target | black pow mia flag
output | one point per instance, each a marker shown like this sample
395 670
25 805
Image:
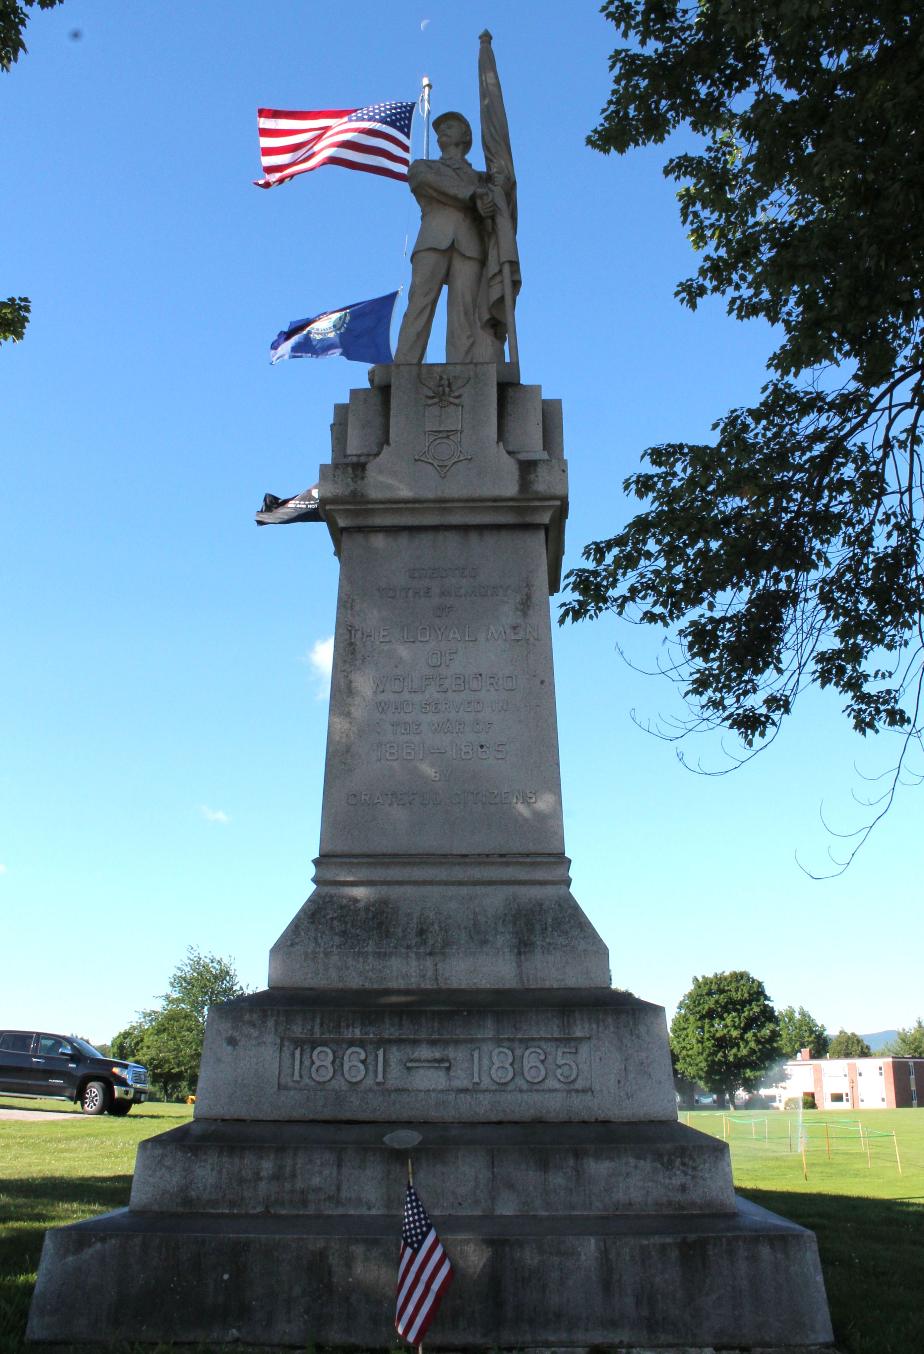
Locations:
301 507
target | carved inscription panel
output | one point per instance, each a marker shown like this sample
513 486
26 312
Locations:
443 729
537 1063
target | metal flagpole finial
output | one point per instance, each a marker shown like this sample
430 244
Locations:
424 103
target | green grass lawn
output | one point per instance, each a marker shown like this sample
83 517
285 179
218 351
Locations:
869 1218
56 1172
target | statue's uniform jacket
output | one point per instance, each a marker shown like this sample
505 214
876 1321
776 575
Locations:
448 215
450 248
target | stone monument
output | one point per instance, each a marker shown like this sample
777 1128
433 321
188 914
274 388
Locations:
440 978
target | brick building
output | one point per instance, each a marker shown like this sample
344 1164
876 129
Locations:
883 1082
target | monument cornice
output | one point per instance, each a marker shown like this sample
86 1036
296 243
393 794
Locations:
344 509
533 869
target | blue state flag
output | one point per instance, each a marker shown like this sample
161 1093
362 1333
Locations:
359 332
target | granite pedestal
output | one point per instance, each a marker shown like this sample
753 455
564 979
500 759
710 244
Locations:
440 977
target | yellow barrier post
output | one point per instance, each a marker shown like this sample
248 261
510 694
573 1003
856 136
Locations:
898 1160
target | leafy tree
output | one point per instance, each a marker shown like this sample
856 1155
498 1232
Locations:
800 1030
171 1050
201 981
13 20
685 1088
14 316
847 1044
910 1042
168 1040
725 1033
14 311
789 553
127 1043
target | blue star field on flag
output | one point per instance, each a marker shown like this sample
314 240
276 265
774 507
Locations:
375 139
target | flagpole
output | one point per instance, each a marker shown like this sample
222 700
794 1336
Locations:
425 88
410 1181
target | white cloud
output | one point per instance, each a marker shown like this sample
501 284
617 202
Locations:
3 869
320 658
214 815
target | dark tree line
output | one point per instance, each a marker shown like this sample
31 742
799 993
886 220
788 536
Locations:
726 1036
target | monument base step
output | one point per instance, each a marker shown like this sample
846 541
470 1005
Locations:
749 1280
556 1169
489 1055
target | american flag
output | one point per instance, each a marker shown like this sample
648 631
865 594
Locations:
376 138
424 1272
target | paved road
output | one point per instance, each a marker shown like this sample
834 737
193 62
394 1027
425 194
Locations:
38 1115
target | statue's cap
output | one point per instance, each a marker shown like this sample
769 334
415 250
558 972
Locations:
460 119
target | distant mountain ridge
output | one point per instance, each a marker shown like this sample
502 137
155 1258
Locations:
879 1040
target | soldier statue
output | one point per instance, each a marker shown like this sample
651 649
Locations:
467 238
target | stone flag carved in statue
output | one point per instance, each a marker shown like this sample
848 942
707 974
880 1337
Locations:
502 266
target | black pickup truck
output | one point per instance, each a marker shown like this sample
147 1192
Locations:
58 1065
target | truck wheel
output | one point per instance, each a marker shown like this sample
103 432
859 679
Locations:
95 1097
120 1107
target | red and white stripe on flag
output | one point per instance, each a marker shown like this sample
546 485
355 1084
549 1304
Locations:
375 139
424 1272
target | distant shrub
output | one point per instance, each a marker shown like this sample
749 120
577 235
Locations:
806 1101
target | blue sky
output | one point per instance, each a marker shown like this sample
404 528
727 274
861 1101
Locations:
162 690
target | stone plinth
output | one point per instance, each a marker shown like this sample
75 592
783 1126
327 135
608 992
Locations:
333 1168
749 1280
442 978
587 1055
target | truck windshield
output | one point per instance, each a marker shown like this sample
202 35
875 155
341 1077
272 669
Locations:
86 1049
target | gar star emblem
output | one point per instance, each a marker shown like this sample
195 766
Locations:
443 423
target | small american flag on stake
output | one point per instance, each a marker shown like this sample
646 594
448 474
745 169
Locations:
376 139
424 1272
